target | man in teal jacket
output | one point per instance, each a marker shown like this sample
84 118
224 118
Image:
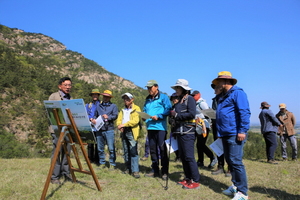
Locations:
158 106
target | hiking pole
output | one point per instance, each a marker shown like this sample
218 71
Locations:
167 180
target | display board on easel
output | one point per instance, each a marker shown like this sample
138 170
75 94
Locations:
79 115
69 119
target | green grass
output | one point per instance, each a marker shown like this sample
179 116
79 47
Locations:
25 179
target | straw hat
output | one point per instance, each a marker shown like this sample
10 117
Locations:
107 93
224 75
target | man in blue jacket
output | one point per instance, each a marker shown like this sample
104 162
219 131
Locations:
106 135
91 109
269 128
233 120
158 106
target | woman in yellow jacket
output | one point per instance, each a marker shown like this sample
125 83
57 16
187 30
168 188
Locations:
128 123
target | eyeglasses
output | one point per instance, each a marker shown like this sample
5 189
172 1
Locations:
126 99
66 85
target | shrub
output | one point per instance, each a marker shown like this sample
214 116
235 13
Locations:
11 148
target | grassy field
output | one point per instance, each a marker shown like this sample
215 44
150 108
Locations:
25 179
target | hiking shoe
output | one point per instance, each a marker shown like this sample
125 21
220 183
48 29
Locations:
126 171
68 177
228 174
136 175
164 177
112 168
294 159
218 171
284 159
101 166
213 162
144 158
55 181
152 175
232 190
183 182
200 164
191 185
272 162
240 196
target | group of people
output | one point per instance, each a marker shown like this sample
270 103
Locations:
231 125
283 125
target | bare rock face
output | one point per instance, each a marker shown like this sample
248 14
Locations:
97 79
41 45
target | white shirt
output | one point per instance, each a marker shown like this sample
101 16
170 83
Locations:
126 115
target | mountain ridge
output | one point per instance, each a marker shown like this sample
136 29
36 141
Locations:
31 65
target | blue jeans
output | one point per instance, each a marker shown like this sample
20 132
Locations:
233 153
271 144
131 156
293 142
106 137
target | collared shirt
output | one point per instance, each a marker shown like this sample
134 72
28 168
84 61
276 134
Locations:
64 96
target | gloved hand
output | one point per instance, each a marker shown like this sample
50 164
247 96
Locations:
173 113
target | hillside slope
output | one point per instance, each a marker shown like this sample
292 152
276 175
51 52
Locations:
31 64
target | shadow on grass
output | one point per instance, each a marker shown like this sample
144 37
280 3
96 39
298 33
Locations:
143 169
214 185
211 183
85 184
54 191
274 193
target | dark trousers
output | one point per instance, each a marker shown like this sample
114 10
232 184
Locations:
157 140
147 149
202 148
186 151
221 159
271 144
61 165
93 151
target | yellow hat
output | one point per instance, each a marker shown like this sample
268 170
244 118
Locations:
282 105
107 93
224 75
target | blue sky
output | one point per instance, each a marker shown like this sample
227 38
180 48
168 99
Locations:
258 41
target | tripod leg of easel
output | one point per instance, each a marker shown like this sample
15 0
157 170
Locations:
83 149
53 161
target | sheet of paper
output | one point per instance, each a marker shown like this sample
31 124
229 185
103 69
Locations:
217 147
99 123
174 144
144 115
211 113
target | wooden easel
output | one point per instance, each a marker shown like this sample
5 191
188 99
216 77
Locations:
64 132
